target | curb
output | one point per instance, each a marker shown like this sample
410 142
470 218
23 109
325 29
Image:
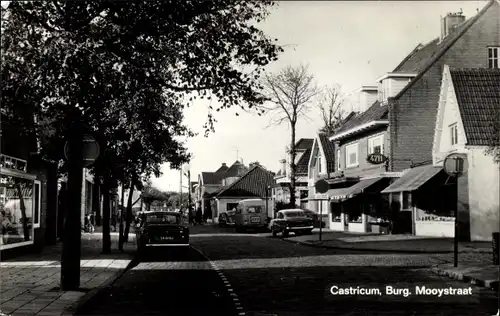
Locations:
309 244
73 308
490 284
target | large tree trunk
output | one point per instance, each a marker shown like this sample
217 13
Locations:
293 166
106 212
129 211
24 218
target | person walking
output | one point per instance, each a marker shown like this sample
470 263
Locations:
113 221
199 215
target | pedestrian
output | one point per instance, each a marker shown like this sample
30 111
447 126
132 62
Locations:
199 216
113 221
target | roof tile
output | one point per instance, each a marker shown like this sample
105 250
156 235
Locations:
478 96
253 183
374 113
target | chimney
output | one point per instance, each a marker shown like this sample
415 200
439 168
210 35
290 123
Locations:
367 96
224 164
253 164
450 22
283 167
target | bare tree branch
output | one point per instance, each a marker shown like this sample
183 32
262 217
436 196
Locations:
290 93
331 109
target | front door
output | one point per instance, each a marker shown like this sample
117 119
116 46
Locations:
346 218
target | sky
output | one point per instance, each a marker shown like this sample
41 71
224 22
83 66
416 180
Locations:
349 43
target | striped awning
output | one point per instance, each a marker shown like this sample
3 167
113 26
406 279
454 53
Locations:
413 179
317 197
350 192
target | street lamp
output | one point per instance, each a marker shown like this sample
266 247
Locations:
5 4
187 173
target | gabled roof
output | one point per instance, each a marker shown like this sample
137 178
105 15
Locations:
478 98
237 168
329 150
304 144
374 113
211 178
303 162
253 183
222 169
435 50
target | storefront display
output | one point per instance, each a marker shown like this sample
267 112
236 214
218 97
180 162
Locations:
19 209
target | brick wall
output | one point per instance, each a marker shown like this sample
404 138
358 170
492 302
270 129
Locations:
412 117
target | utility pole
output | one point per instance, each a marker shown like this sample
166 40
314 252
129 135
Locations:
189 188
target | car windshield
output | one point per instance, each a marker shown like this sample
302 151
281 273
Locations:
254 209
294 214
163 219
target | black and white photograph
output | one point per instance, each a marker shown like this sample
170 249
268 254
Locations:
250 158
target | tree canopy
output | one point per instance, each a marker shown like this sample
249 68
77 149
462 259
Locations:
126 70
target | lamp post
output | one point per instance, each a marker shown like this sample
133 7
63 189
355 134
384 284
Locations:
187 173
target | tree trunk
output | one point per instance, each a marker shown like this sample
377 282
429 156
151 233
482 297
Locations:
129 211
122 217
141 204
293 166
71 250
106 214
24 218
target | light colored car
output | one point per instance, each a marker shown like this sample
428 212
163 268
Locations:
291 220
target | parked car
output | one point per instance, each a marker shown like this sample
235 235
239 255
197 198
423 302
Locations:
161 229
226 220
315 217
291 220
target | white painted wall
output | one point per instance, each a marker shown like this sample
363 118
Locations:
435 228
484 194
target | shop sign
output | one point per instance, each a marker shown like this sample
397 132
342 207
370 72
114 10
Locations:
376 158
455 165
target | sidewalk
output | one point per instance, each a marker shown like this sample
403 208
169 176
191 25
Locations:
390 243
30 284
475 259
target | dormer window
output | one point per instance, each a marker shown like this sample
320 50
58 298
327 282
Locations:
391 84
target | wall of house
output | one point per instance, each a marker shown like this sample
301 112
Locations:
313 174
413 116
484 194
364 168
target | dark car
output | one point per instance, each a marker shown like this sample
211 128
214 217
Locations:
291 220
161 229
314 216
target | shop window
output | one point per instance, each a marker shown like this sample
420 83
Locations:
355 214
336 212
16 210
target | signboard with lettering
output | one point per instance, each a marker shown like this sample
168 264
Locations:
376 158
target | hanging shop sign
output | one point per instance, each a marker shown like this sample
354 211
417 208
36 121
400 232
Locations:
376 159
456 165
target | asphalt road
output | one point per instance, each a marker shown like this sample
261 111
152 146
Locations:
252 275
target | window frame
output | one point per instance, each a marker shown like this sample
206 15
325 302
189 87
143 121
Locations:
453 133
39 203
348 163
371 141
492 60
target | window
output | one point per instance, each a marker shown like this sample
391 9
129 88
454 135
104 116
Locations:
376 145
493 53
351 155
318 160
254 209
339 166
231 206
37 204
163 219
454 134
406 200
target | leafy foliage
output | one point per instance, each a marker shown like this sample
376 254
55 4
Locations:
125 71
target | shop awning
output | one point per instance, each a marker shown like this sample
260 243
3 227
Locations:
413 179
349 192
319 198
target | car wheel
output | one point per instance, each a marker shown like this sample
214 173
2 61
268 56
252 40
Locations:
285 233
275 233
308 232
